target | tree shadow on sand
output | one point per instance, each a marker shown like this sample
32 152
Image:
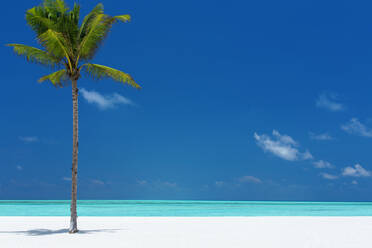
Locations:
41 232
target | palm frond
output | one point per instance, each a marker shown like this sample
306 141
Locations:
56 78
53 15
55 44
39 20
101 71
75 13
88 20
97 32
123 18
94 30
34 54
73 27
55 6
68 26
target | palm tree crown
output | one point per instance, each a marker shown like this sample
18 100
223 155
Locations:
68 44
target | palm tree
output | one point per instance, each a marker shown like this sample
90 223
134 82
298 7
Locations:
69 46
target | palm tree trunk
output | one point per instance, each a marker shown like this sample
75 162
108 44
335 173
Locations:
73 220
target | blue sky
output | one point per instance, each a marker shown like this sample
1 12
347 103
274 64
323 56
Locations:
241 100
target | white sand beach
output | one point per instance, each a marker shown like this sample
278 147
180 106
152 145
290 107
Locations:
179 232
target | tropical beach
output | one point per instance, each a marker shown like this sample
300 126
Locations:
186 124
187 224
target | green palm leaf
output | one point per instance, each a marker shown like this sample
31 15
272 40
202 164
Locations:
123 18
101 71
56 78
34 54
88 20
94 30
56 44
39 20
55 6
96 33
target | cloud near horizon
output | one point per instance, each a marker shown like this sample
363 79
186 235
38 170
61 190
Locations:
97 182
249 179
328 102
349 171
356 171
329 176
28 139
354 126
321 136
158 184
104 102
282 146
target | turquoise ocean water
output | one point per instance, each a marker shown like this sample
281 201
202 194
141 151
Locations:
184 208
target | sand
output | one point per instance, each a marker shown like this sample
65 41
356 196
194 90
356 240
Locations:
179 232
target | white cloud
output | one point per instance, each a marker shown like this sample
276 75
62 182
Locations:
141 182
328 101
321 136
220 183
97 182
169 184
19 168
355 182
66 178
249 179
355 127
282 146
104 101
307 155
356 171
328 176
158 185
321 164
28 139
284 138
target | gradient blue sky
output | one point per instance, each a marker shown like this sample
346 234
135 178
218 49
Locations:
241 100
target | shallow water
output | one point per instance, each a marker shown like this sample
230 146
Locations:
184 208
